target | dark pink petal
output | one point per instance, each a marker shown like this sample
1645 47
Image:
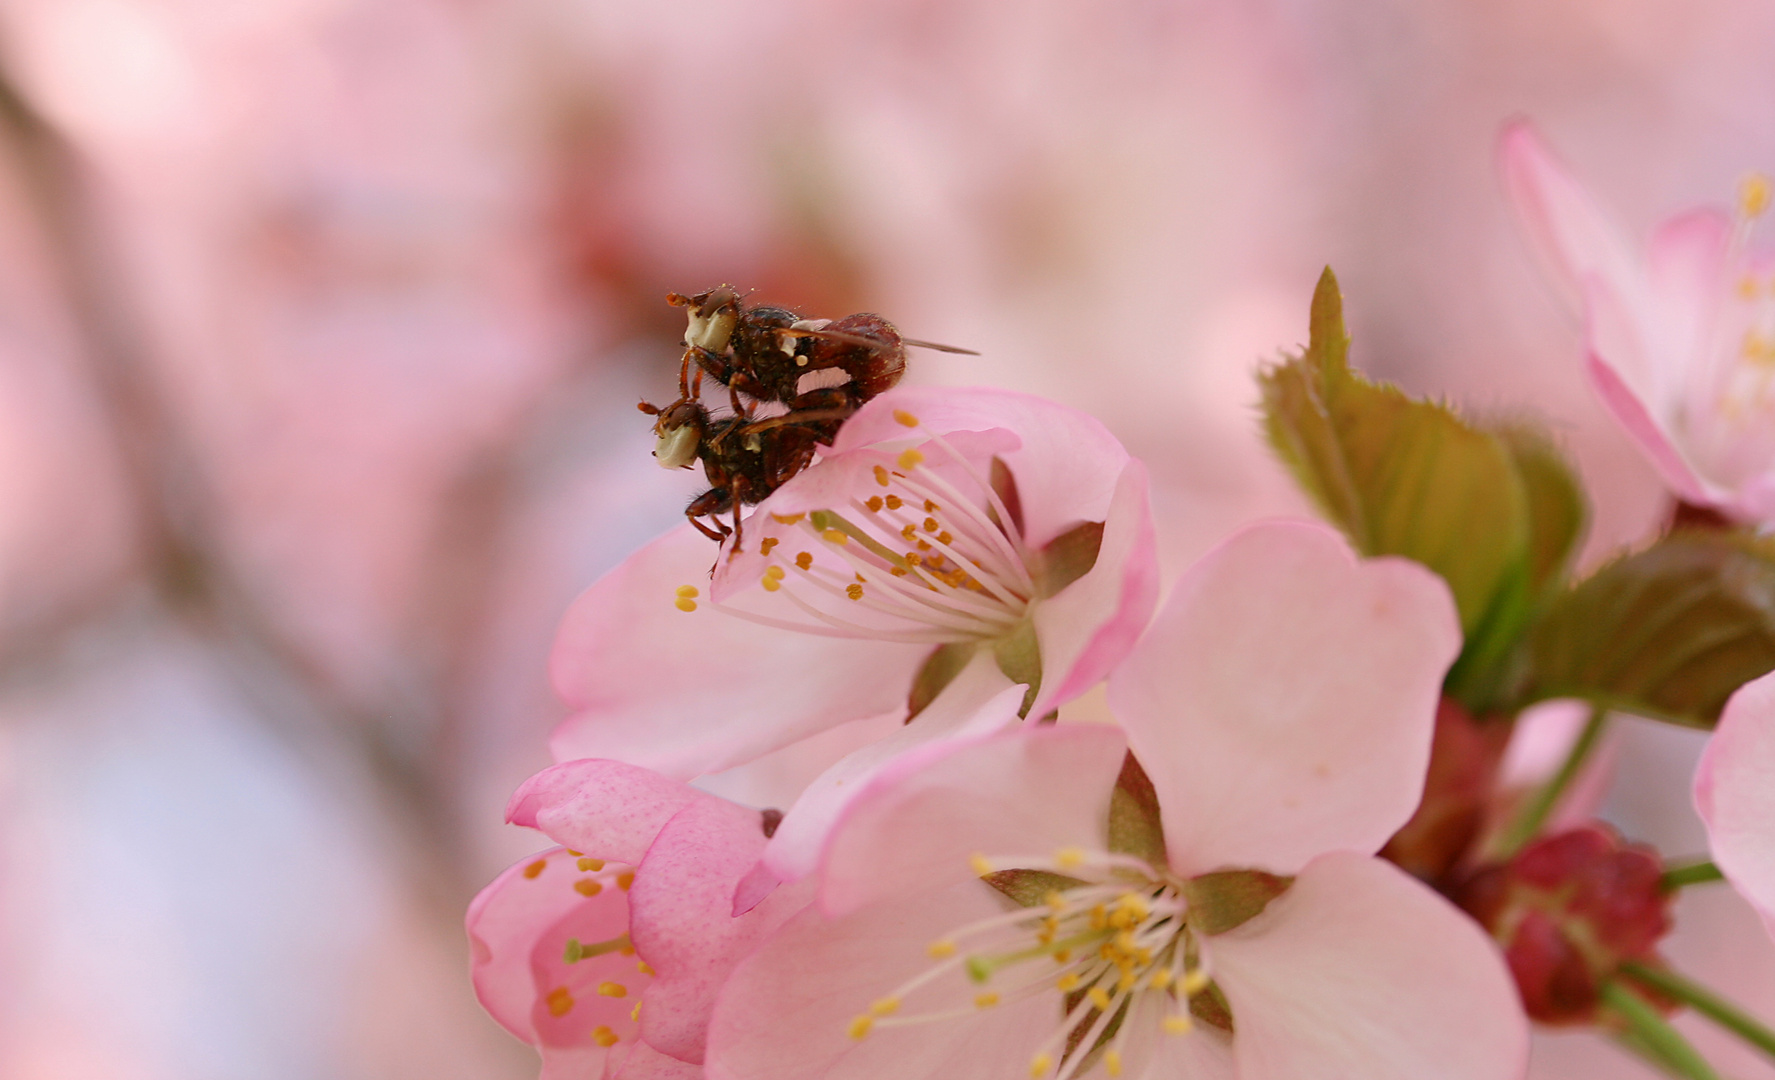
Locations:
607 809
1092 625
785 1013
686 693
519 927
1027 792
1735 794
1283 701
683 925
1359 970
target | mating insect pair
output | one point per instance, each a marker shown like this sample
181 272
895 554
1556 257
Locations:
819 370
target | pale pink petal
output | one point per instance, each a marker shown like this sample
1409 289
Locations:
1569 229
638 1061
681 921
1020 793
1735 794
1091 626
518 929
606 809
785 1013
686 693
1359 970
1634 408
1283 700
1067 465
980 701
1686 268
1204 1054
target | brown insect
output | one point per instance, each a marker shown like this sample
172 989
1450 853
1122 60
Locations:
766 354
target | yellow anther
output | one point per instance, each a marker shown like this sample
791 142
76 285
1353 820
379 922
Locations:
944 537
1179 1024
626 950
575 854
930 507
684 603
980 864
1067 983
874 504
1062 956
898 571
894 502
940 948
770 584
924 545
787 519
689 592
805 560
986 1000
588 887
905 418
1040 1064
881 476
1069 857
835 536
931 525
1195 981
886 1006
536 868
1098 997
635 1013
1112 1062
1754 192
604 1037
913 558
1134 904
1125 941
613 989
1162 979
590 865
767 543
1055 899
1099 918
560 1001
855 592
909 460
625 879
861 1025
861 580
643 967
775 571
1125 982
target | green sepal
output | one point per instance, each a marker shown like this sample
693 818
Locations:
1019 656
1030 888
1004 485
1066 558
1227 899
1211 1008
1134 825
938 671
1667 633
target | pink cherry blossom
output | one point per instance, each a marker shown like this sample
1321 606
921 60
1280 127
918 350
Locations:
850 576
1735 793
606 953
1680 339
1282 706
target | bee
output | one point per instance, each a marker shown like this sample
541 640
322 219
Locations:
764 354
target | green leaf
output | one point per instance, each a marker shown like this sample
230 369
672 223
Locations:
1134 826
1558 511
1669 632
1227 899
1399 476
938 671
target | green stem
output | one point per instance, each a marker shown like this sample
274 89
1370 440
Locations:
1656 1038
1699 872
1534 815
1705 1002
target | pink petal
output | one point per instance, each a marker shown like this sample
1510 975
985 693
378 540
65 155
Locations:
980 701
785 1013
682 921
1093 624
1686 268
1634 408
1566 225
1284 699
1067 465
686 693
606 809
1735 794
638 1061
1025 792
1204 1054
1358 970
518 929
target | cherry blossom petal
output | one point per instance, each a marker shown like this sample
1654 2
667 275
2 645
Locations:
607 809
1283 701
1735 794
1203 1054
1092 625
1024 792
980 700
682 922
518 929
688 693
1359 970
638 1061
1686 268
786 1011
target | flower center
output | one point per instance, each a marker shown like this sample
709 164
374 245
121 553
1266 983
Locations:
916 547
1106 935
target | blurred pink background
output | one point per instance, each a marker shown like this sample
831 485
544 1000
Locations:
322 324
